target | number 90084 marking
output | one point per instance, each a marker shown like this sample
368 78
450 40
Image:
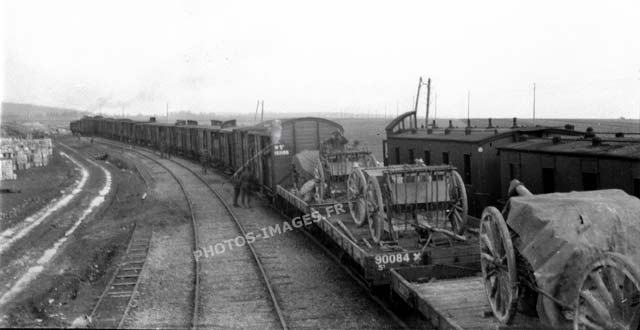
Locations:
386 259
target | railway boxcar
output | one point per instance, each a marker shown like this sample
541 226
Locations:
227 153
472 150
266 149
563 165
142 133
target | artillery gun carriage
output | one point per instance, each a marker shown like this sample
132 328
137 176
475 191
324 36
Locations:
574 256
393 199
333 170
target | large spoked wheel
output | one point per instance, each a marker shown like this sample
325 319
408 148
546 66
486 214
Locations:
375 209
320 182
609 296
498 263
459 207
356 188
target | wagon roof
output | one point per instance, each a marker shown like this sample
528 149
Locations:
265 125
174 125
478 136
612 148
561 233
153 123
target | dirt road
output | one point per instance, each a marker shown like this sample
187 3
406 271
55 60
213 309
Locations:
51 260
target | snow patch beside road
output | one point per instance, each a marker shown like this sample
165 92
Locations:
48 255
13 234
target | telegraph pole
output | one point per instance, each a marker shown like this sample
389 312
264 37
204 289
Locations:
255 117
262 112
435 110
534 104
469 108
426 119
415 109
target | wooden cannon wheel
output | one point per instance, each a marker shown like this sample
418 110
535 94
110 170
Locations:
609 296
356 189
375 208
498 263
320 182
459 208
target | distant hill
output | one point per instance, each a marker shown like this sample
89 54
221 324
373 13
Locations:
19 112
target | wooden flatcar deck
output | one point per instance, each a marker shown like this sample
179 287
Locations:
452 303
374 260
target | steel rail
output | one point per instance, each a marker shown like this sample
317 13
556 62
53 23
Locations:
238 224
194 225
254 254
358 279
129 244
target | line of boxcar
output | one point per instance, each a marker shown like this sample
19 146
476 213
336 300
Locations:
230 147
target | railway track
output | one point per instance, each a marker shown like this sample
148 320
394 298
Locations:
297 295
118 297
228 295
302 312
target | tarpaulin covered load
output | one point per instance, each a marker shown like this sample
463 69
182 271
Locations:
560 234
305 163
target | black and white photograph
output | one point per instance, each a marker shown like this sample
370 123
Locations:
281 164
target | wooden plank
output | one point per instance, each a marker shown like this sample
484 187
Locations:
454 303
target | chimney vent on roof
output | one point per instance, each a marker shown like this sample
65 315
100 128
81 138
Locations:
515 122
596 141
490 124
556 139
569 127
450 123
619 135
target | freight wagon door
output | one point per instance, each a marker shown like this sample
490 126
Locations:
230 149
266 166
306 135
194 141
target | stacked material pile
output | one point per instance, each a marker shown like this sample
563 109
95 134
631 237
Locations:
19 154
6 169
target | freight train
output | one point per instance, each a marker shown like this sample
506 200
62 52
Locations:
438 277
265 149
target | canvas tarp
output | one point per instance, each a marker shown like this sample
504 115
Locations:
305 163
559 234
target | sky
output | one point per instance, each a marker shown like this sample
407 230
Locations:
325 56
